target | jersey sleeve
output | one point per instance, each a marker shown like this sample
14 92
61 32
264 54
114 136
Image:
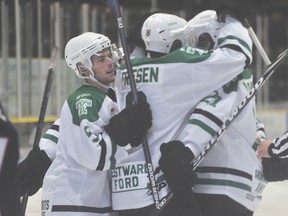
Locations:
234 46
235 36
212 69
279 146
48 141
201 127
212 111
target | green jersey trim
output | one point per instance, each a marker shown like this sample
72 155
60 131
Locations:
231 37
51 137
181 55
202 125
222 182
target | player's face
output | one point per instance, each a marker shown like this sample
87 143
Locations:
103 67
205 41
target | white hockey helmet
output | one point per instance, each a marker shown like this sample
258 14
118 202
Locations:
159 31
204 29
81 48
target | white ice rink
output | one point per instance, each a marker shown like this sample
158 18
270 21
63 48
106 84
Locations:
274 203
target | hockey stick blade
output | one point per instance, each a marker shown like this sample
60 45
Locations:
51 71
115 7
227 123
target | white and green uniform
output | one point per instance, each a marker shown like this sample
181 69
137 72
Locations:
48 141
173 85
231 167
77 181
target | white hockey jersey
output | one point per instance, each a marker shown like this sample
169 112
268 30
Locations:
173 85
77 181
48 141
231 167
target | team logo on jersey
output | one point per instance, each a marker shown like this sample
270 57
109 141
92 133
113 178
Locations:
82 105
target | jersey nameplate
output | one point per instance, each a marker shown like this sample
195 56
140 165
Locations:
145 74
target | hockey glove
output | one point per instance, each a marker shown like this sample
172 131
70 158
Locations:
31 171
275 169
130 124
175 162
232 12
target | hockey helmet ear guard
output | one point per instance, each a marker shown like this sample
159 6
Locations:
80 49
159 31
81 69
204 29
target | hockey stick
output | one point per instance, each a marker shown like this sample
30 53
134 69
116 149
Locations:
51 71
227 123
257 43
115 7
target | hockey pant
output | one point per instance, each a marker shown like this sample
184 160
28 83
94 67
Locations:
214 204
173 208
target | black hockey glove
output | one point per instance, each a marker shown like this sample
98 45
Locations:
275 169
225 11
175 162
130 124
31 171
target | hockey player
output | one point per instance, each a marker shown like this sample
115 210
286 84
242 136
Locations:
174 81
31 171
230 178
77 183
9 155
134 41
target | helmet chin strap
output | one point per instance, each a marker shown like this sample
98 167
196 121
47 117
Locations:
92 77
